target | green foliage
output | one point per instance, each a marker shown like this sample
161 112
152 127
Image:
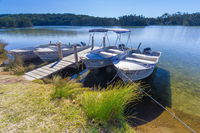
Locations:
3 52
28 20
106 107
65 88
28 108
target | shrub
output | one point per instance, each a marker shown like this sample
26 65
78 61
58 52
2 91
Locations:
3 52
18 67
15 66
65 88
107 106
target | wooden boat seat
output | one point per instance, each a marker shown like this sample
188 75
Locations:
140 60
115 50
107 54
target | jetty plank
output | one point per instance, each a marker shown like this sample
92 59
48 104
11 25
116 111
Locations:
54 67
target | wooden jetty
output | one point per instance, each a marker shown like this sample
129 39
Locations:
54 67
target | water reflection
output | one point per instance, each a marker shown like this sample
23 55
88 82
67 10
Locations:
160 86
39 32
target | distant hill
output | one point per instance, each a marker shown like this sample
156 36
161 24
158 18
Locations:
28 20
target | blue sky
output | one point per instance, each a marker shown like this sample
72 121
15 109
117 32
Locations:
102 8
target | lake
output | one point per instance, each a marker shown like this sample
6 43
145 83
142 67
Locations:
177 78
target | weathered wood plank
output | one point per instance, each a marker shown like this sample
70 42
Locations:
43 74
34 75
45 70
54 67
27 77
49 69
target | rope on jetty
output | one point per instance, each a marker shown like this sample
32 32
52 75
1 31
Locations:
173 114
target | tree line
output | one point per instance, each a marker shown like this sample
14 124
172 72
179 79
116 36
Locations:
29 20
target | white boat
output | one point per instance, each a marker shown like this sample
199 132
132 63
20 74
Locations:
50 54
137 66
27 53
107 54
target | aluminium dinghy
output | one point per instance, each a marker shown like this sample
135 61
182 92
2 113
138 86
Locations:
50 54
107 54
27 54
137 66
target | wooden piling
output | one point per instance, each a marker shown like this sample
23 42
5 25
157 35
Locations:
104 42
92 43
76 56
60 54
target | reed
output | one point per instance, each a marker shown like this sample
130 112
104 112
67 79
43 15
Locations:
106 107
65 88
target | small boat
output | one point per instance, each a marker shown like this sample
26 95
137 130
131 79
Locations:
107 54
50 54
27 53
137 66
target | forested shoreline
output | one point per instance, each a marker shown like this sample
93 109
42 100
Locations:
29 20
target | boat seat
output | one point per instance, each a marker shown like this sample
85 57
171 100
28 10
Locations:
128 65
143 55
140 60
115 50
107 53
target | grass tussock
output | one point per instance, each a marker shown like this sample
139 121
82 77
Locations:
3 52
18 67
65 88
27 107
106 107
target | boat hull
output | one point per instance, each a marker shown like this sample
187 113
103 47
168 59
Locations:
134 75
53 55
25 56
98 58
95 64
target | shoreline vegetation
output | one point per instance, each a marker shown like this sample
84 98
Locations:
56 104
59 105
67 19
3 52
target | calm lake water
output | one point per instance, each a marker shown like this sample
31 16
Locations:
177 78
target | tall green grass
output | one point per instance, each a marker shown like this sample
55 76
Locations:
107 106
65 88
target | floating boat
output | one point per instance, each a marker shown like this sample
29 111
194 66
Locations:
27 53
107 54
137 66
50 54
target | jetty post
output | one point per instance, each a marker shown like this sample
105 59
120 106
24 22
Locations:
104 42
60 54
92 43
76 56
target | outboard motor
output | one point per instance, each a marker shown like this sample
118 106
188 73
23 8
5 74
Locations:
121 46
76 44
83 44
147 51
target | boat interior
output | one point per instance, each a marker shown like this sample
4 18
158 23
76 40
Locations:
144 58
108 52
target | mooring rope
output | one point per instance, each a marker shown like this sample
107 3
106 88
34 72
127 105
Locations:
173 114
112 79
